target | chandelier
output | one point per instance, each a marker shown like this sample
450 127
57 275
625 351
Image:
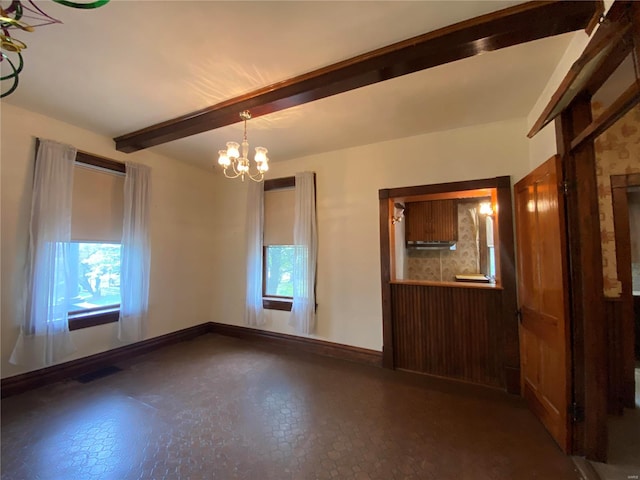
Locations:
231 161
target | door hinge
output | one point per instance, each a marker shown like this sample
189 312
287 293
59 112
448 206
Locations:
564 187
576 413
519 315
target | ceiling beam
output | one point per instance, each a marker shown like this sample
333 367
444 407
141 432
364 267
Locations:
511 26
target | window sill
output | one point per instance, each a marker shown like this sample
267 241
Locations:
277 304
92 319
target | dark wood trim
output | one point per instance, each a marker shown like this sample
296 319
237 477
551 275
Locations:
504 28
589 346
625 348
93 319
624 181
616 343
385 275
611 115
279 183
506 265
63 371
276 304
604 42
496 182
622 231
595 20
619 52
300 344
96 161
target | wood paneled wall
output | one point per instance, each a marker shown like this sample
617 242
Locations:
620 357
448 331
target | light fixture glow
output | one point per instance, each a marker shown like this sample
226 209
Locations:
235 161
486 208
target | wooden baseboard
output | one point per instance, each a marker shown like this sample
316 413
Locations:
301 344
74 368
46 376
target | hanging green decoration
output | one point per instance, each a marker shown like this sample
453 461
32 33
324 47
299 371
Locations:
88 5
12 18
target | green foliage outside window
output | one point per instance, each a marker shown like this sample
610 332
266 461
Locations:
279 271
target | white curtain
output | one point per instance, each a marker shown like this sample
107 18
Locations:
44 335
254 314
135 254
305 239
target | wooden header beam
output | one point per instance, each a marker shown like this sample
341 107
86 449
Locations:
511 26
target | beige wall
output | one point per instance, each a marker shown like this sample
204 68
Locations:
181 228
617 153
348 289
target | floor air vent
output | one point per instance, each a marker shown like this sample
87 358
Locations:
96 374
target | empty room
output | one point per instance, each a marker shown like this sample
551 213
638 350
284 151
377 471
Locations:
320 239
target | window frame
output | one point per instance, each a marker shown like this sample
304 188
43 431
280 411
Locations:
272 302
111 313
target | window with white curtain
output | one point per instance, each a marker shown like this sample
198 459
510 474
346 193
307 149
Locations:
278 249
96 233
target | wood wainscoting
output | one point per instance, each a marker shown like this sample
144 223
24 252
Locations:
458 330
448 332
613 316
620 364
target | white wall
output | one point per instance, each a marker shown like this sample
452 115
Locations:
348 289
182 201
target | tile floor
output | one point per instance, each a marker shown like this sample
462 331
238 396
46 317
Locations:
223 408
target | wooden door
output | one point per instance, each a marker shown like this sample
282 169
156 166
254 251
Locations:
542 290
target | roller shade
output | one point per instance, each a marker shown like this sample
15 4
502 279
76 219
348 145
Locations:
98 205
279 209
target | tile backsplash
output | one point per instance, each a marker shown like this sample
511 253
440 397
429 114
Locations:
443 265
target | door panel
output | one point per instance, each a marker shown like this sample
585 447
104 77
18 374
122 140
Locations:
542 291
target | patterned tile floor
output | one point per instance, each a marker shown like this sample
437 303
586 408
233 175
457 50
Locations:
222 408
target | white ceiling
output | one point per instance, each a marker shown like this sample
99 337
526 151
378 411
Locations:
131 64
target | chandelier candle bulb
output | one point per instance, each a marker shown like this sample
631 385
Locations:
237 160
233 151
261 155
223 158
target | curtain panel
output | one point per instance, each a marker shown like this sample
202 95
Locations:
305 238
44 337
254 313
135 254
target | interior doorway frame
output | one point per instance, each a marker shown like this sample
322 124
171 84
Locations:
625 365
576 131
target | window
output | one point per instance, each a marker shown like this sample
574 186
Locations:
96 269
278 271
278 249
96 233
